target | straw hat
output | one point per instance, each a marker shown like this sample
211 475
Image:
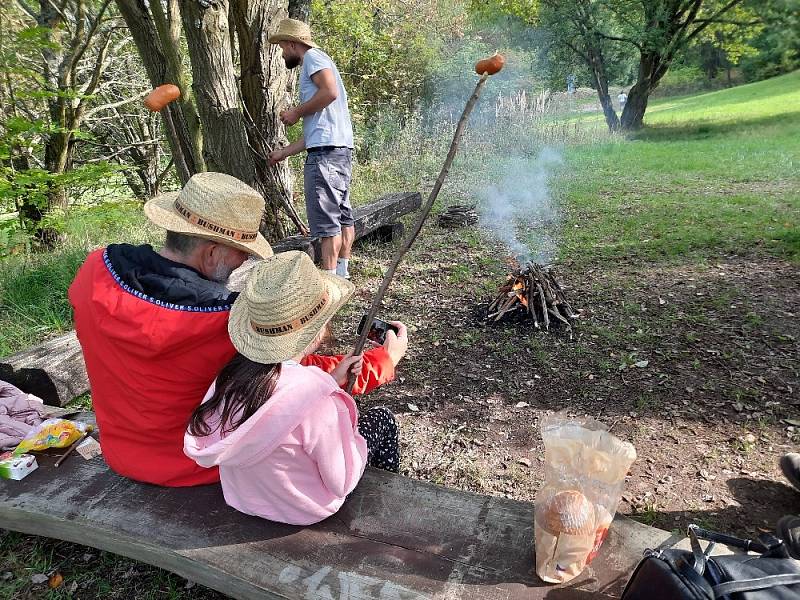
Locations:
292 30
286 303
216 207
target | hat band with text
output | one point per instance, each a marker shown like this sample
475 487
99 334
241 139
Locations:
270 330
195 219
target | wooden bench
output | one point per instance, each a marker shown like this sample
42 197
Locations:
55 371
394 539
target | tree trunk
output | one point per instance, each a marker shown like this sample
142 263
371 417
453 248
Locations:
145 36
300 9
601 85
57 159
635 107
593 57
226 146
168 30
135 181
264 83
652 67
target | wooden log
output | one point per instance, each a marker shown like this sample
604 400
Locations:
385 233
376 220
53 370
386 210
303 243
394 538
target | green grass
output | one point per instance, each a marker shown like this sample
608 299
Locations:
717 173
33 287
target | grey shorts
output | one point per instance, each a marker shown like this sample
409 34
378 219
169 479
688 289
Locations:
326 178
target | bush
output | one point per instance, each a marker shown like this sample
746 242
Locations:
682 79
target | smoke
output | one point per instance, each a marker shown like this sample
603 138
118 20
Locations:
519 209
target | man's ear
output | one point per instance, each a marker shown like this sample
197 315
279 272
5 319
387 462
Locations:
208 255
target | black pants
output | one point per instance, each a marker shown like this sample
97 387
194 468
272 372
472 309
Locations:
379 428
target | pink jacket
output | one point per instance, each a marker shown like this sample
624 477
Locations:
297 458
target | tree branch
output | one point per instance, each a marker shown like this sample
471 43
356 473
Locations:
120 151
711 19
726 22
103 107
90 33
27 9
164 173
619 39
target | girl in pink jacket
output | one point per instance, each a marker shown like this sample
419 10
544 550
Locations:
289 442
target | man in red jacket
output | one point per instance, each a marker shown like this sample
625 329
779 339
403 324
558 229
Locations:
153 326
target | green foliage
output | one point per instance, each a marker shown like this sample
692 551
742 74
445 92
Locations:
734 35
27 186
778 44
385 51
382 52
681 79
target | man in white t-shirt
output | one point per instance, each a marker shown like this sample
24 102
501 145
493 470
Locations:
328 139
623 98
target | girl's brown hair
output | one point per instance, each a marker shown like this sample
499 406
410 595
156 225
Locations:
243 386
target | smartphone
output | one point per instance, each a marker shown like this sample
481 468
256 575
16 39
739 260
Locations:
377 332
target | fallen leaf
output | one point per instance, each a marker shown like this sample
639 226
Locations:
73 587
38 578
641 364
793 422
413 407
55 580
521 405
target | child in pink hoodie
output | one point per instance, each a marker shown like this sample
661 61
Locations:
289 442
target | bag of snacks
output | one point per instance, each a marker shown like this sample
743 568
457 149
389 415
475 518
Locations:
51 433
585 468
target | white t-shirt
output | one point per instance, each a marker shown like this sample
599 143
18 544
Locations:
331 126
623 98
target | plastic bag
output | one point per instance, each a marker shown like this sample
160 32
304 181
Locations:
51 433
585 468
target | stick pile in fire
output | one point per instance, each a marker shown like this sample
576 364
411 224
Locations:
532 291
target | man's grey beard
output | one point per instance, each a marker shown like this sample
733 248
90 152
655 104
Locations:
222 273
291 63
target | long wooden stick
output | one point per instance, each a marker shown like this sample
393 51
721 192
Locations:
424 212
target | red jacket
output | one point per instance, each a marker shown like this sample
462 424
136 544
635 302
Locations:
151 361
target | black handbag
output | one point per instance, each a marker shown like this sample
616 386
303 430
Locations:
694 575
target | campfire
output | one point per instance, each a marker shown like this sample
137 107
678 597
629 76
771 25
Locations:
532 292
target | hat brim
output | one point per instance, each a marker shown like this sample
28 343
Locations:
273 350
283 37
161 211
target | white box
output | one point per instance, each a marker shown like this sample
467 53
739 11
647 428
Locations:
18 467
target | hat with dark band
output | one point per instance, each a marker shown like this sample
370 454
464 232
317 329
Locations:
214 206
